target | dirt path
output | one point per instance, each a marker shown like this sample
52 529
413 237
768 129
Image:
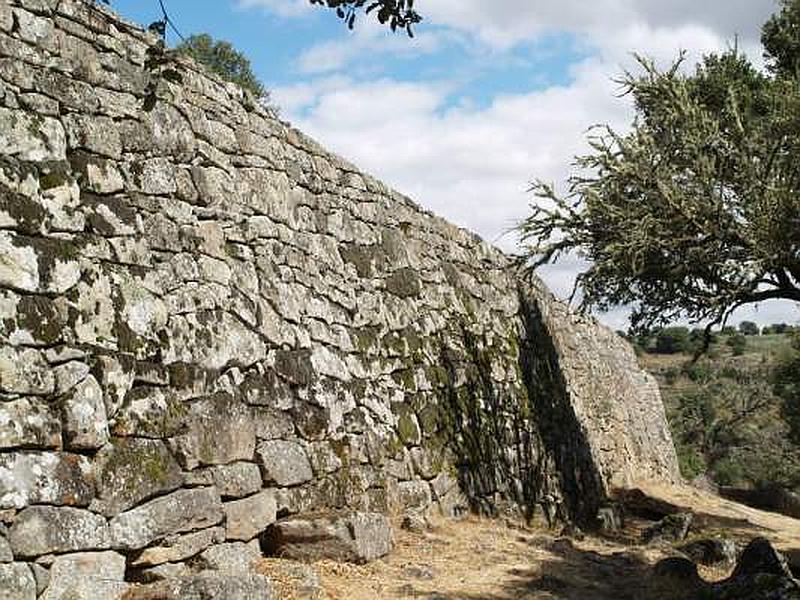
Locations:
482 559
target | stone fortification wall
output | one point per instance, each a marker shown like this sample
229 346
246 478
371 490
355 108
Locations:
209 323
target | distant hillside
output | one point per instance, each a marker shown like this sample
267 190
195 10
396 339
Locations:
724 417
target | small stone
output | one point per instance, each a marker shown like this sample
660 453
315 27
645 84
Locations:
235 558
178 512
42 576
180 547
415 521
236 480
357 537
28 422
45 478
24 371
84 416
6 556
39 530
17 582
284 463
672 528
248 517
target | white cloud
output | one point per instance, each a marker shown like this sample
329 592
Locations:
472 165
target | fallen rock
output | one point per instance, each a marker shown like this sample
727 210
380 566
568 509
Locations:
672 528
712 551
356 537
415 521
206 586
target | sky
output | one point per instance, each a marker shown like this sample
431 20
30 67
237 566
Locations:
488 96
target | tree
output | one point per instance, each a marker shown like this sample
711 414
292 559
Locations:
787 388
696 210
224 60
748 328
397 14
672 340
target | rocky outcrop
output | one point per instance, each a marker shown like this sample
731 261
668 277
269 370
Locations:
208 323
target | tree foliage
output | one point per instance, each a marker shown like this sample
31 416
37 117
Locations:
224 60
396 14
696 210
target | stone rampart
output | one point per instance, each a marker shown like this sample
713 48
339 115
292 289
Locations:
209 323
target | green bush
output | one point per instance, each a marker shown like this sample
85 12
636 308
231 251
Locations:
672 340
737 344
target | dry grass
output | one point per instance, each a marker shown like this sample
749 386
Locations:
481 559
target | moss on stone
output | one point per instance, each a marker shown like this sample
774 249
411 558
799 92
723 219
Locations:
404 283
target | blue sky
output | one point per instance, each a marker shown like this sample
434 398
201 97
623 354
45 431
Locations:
488 96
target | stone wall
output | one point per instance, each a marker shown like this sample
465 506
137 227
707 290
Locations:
208 322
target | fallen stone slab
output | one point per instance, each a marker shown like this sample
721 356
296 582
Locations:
355 537
672 528
235 558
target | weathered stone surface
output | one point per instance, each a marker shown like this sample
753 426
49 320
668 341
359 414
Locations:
31 137
221 431
45 478
180 547
248 517
24 371
17 582
84 416
180 511
28 423
284 463
672 528
236 480
414 494
93 571
6 556
207 586
234 558
130 470
357 537
711 551
41 530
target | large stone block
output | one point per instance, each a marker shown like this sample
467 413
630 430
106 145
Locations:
248 517
357 537
284 463
221 431
130 470
84 416
45 478
184 510
39 530
71 575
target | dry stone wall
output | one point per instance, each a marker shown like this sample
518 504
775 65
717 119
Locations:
209 323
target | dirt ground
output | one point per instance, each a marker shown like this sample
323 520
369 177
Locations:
493 560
